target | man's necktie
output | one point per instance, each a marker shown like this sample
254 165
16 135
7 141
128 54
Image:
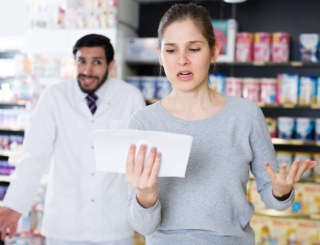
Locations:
91 101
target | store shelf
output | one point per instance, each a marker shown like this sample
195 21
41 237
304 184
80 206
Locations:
5 178
259 64
277 141
285 214
8 54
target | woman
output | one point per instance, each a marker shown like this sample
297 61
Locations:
209 205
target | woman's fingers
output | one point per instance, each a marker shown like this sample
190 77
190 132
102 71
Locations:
283 171
270 171
294 168
302 168
11 230
156 166
130 160
138 166
149 164
4 230
312 164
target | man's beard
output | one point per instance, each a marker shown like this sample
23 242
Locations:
99 84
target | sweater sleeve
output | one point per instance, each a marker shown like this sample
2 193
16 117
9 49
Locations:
263 151
143 220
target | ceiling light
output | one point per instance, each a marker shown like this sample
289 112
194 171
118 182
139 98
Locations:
235 1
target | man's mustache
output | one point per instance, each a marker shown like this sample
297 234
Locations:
85 76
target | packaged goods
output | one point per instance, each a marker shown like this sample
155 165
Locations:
308 197
305 128
262 47
255 197
135 81
261 227
217 82
309 47
281 230
318 92
288 86
280 47
272 126
308 90
307 232
285 157
316 170
268 90
148 86
163 87
244 45
303 156
317 129
234 86
251 89
142 49
286 128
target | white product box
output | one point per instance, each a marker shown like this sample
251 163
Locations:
142 49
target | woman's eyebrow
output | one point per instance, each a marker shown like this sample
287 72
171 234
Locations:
172 44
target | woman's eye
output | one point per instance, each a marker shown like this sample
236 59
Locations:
194 49
170 50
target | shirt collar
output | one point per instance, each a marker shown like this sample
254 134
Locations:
104 92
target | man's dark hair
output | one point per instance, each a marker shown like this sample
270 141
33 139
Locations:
95 40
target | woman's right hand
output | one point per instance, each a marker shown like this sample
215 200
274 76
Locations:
144 178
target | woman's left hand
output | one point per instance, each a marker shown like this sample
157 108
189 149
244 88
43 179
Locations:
282 182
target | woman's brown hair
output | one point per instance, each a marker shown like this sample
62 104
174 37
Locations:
197 14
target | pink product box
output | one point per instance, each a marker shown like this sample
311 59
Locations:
268 90
262 47
251 89
234 86
280 47
244 47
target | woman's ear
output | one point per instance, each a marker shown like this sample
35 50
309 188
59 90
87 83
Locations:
159 55
215 51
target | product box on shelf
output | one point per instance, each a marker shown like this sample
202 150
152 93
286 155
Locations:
262 47
163 87
307 198
251 89
308 232
225 32
308 90
244 46
272 126
149 87
317 129
217 82
286 127
309 47
135 81
303 156
280 47
282 231
261 227
142 49
268 90
288 89
316 170
234 86
305 128
285 157
255 197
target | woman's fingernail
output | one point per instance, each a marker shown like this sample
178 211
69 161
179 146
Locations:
159 154
131 146
266 164
153 149
143 147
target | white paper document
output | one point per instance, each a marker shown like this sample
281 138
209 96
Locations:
111 149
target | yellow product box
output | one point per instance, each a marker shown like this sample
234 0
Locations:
261 227
282 231
255 197
307 232
309 196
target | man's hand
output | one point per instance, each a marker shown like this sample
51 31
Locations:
8 218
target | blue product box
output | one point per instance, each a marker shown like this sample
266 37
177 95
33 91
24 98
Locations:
289 88
317 129
148 87
305 128
163 87
286 127
309 47
135 81
217 82
308 90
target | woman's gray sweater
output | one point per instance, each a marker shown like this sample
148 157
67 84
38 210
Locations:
209 205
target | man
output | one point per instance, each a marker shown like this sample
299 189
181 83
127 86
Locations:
82 206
